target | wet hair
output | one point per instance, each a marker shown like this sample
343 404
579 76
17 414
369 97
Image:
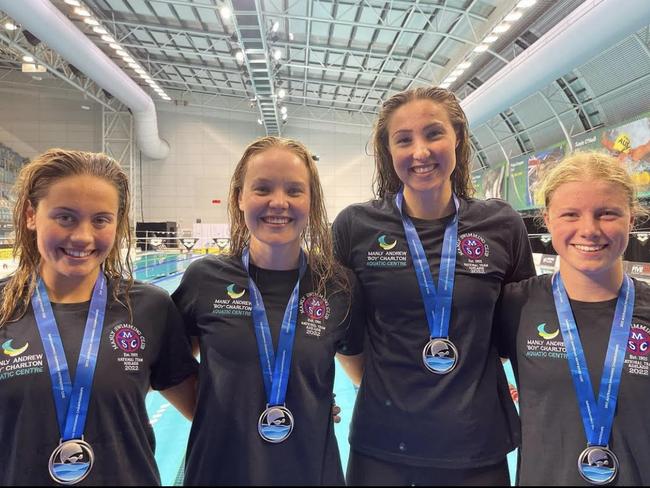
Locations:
385 180
317 236
589 166
32 185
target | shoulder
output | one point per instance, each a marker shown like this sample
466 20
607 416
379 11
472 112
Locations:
642 293
522 291
492 207
212 264
364 209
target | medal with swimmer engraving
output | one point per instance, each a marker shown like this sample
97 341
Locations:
598 465
440 356
71 462
275 424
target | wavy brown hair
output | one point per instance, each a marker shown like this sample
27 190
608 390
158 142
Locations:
385 180
317 236
32 185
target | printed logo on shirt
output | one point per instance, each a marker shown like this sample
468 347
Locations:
128 340
17 363
232 305
544 344
315 311
474 248
385 254
637 360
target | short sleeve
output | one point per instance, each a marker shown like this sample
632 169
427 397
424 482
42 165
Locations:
185 297
341 237
353 340
522 265
175 361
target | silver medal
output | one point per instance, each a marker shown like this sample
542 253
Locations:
440 356
71 462
598 465
275 424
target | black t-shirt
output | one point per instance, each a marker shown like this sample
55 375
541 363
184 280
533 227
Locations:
404 413
224 445
152 351
553 435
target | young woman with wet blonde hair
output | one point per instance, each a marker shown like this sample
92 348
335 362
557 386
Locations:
579 340
82 342
433 406
269 319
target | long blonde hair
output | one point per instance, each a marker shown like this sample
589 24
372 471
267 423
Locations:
317 236
385 180
32 185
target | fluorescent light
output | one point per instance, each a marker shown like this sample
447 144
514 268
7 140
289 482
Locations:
259 121
277 55
82 12
502 27
451 79
490 39
85 107
291 36
526 3
513 16
115 46
465 64
225 12
28 59
10 27
74 3
91 21
275 26
481 48
457 72
284 116
283 110
282 93
445 85
239 56
108 39
100 30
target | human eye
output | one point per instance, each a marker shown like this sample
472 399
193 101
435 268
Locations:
261 189
296 191
433 133
103 220
64 219
568 215
610 214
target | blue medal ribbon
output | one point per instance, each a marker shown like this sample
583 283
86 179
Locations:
437 303
596 418
71 401
275 373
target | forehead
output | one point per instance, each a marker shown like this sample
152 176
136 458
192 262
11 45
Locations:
590 192
418 111
277 163
82 190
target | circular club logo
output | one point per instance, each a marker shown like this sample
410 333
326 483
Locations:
315 307
639 341
127 338
473 246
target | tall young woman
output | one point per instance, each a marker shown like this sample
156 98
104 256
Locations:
268 319
82 343
579 340
433 407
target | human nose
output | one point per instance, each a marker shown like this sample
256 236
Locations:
589 226
279 200
82 232
420 150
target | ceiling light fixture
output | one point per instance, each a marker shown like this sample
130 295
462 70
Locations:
10 27
502 27
82 12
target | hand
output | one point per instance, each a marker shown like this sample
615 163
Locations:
336 410
514 393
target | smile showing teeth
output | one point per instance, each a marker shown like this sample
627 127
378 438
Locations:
422 169
581 247
276 220
77 254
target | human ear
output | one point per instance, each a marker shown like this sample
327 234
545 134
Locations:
30 216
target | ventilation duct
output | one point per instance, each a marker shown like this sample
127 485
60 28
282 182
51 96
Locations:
49 25
592 28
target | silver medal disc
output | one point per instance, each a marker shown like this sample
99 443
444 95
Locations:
598 465
275 424
440 356
71 462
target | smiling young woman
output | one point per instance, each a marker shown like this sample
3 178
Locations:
268 319
433 406
579 340
83 343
